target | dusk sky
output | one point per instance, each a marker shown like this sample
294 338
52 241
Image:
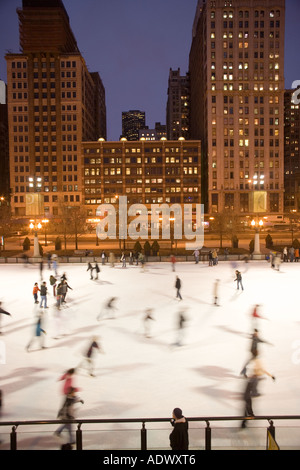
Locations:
133 44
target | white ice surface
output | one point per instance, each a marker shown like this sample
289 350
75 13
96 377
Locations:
147 377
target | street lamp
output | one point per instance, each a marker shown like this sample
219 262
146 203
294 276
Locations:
257 224
35 226
45 222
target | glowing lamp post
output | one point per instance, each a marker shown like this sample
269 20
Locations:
257 225
35 226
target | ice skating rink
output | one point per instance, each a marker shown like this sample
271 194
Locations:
146 377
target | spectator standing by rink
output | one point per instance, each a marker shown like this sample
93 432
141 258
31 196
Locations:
179 437
196 255
123 260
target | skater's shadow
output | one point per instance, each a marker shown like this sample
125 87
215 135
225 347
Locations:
25 377
215 372
235 332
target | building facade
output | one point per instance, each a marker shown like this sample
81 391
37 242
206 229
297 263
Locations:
236 69
54 103
147 172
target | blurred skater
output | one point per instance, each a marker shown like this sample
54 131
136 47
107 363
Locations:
216 292
67 377
147 318
251 391
38 334
88 360
64 288
109 307
67 412
238 278
181 321
255 341
178 288
173 262
97 269
90 268
3 312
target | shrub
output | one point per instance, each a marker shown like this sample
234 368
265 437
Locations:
269 241
58 244
137 247
155 247
147 248
26 244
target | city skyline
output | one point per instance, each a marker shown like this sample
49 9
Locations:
135 55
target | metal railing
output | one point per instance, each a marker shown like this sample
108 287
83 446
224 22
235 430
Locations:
270 430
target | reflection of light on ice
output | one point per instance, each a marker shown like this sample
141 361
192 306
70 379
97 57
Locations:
140 376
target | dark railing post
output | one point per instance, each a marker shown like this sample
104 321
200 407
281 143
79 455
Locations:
13 438
207 436
79 437
143 437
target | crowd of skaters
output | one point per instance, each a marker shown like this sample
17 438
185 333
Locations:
60 287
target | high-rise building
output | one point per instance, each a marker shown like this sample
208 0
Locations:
54 103
291 153
4 146
178 105
132 121
236 68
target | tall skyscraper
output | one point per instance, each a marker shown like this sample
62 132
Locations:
178 105
236 69
4 147
53 105
132 121
291 153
